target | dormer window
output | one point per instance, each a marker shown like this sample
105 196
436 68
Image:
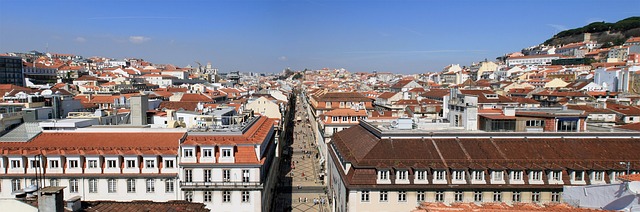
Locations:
458 175
111 164
497 176
421 175
578 175
516 175
439 175
536 175
15 164
187 153
491 96
334 118
93 164
207 153
598 176
345 118
383 175
402 175
73 163
54 164
478 175
556 175
226 153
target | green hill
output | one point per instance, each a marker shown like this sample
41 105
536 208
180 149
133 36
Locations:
608 33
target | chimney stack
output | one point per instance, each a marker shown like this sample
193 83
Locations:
51 199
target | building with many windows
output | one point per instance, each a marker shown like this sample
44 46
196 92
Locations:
230 168
377 168
11 71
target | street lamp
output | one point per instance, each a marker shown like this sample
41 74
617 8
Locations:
628 164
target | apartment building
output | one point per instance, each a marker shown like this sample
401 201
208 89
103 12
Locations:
377 168
232 169
96 164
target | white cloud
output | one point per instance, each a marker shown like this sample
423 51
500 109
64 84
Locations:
283 58
138 39
558 27
81 39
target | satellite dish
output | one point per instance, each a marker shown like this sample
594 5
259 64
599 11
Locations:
31 188
634 186
394 123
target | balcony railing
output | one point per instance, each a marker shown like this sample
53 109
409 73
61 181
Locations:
220 184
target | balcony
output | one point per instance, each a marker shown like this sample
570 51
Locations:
221 185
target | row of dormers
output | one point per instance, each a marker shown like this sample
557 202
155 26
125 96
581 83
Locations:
576 177
96 164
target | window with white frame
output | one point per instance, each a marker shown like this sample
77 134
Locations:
420 196
440 175
207 196
15 164
245 176
457 196
345 118
598 175
207 153
187 153
555 196
226 175
112 185
578 175
151 185
169 185
384 196
150 163
54 164
515 197
226 196
439 196
402 196
402 175
478 175
168 164
458 175
477 196
421 175
497 196
188 175
497 175
536 175
131 185
16 185
383 175
226 153
615 175
35 164
73 164
535 196
334 119
556 175
73 185
93 164
111 164
516 175
354 118
93 185
131 163
207 175
364 196
245 196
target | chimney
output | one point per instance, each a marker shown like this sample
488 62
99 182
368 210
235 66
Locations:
74 204
51 199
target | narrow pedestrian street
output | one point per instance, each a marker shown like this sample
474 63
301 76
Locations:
300 188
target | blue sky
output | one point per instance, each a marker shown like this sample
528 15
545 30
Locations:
268 36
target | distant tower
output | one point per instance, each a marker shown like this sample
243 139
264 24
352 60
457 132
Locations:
139 107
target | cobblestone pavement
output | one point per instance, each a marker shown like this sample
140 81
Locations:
299 182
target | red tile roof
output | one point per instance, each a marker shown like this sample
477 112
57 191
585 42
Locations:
142 206
85 142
